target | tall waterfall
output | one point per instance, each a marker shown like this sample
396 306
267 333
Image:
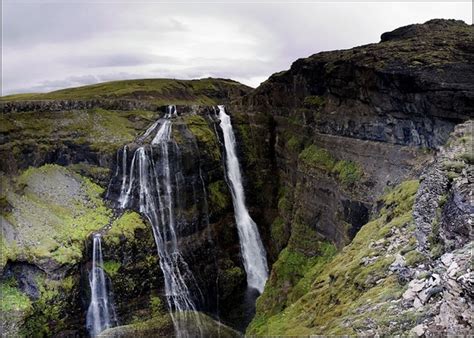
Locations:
154 182
251 246
100 314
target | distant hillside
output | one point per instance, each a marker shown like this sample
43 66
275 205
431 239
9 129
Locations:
159 91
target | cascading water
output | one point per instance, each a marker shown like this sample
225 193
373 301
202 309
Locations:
154 181
101 313
251 246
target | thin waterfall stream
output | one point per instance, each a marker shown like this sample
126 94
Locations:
253 252
154 179
101 313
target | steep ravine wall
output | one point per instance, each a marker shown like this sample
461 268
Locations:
52 283
343 128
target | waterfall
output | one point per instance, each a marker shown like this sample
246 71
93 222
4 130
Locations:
156 181
100 314
251 247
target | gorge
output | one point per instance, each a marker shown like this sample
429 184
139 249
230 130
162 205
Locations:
339 192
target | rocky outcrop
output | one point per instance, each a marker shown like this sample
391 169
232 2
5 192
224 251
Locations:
374 113
409 89
444 205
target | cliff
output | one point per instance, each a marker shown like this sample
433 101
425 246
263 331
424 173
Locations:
342 128
358 170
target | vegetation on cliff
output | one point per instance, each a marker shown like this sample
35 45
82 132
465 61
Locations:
51 212
331 293
98 129
347 172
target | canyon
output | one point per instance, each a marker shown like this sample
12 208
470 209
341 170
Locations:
351 174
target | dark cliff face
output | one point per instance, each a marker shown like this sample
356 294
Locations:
345 128
347 124
401 90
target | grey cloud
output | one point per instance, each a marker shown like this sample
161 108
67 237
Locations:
54 44
26 24
117 60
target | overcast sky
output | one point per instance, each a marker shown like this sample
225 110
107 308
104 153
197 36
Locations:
49 45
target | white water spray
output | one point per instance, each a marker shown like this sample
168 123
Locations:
253 252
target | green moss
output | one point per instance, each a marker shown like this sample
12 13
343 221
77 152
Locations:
48 312
436 250
400 199
124 227
68 283
304 238
295 143
13 299
6 125
348 172
8 251
284 204
157 307
219 199
100 129
230 279
111 267
278 233
318 158
251 149
468 157
414 258
452 175
205 136
99 175
143 328
286 272
54 210
456 166
331 292
314 102
326 252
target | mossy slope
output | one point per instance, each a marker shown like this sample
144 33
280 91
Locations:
49 213
159 91
99 129
351 292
